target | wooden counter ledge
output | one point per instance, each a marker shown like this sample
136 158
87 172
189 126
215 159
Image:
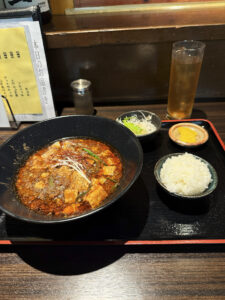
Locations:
162 23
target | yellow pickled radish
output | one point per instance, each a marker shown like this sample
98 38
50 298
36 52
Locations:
187 135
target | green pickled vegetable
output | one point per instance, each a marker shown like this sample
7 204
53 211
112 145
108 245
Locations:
94 155
134 128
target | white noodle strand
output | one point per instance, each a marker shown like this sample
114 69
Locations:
74 165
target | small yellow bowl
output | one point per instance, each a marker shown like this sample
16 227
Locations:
188 134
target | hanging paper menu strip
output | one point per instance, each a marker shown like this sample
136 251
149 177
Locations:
17 78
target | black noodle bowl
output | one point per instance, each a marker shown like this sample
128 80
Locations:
15 151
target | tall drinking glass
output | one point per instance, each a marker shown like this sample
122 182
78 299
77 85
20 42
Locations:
185 68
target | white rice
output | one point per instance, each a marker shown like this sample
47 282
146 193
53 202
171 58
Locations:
185 175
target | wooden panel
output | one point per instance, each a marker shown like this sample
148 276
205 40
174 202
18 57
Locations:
58 6
130 73
126 28
133 36
88 3
127 56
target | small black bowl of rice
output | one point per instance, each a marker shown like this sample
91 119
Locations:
185 175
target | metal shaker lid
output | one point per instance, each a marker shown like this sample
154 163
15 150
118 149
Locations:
80 85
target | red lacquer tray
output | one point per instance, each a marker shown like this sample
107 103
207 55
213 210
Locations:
146 215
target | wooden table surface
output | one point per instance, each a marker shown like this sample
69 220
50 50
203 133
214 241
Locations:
117 272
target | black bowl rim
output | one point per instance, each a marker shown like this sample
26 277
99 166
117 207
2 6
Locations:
205 193
75 218
146 111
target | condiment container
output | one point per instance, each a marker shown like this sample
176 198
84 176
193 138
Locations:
188 134
82 97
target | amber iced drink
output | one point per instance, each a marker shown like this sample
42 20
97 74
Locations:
184 74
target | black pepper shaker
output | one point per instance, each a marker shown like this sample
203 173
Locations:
82 97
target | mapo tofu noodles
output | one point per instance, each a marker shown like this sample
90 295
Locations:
69 177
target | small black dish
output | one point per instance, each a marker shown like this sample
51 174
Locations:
208 191
142 114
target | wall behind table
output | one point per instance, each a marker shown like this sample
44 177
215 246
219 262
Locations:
138 72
